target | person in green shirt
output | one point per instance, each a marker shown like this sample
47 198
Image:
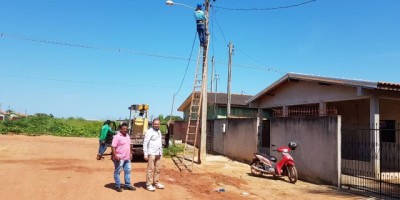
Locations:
106 129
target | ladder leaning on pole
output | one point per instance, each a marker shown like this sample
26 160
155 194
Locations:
193 123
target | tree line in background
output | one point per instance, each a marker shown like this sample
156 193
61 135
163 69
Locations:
44 124
47 124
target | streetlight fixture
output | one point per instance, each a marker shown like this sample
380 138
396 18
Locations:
171 3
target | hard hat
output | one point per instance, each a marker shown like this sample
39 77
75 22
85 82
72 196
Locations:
199 5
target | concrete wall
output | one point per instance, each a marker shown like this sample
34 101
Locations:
318 138
239 142
390 110
352 112
179 129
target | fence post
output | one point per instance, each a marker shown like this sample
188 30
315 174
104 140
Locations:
374 123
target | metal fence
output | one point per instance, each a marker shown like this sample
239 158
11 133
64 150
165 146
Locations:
371 167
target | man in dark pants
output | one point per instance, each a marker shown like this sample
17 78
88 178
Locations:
201 24
105 130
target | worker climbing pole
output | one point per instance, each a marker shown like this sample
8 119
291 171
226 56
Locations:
200 24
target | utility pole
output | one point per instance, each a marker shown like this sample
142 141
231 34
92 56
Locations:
203 138
212 73
215 95
172 108
228 110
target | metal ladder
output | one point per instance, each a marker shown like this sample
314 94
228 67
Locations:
192 129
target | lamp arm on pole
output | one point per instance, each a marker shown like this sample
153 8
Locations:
171 3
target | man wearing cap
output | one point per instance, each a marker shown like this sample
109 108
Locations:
201 24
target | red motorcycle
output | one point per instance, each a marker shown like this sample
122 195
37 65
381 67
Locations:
285 167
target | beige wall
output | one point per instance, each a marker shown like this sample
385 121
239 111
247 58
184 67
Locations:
239 142
305 92
317 156
352 112
389 109
180 128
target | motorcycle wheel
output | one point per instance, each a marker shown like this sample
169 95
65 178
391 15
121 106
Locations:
255 163
292 173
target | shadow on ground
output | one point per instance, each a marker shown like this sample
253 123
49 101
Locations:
141 184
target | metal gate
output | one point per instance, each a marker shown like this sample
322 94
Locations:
369 167
264 135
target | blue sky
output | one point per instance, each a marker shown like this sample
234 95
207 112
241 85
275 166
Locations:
357 39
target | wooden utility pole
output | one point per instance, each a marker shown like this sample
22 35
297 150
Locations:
203 139
228 110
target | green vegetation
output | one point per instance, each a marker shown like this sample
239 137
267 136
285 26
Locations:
173 150
43 124
165 120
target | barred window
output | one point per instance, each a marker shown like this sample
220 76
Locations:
387 131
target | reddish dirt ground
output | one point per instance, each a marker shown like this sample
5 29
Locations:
48 167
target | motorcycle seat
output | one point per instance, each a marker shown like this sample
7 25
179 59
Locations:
271 158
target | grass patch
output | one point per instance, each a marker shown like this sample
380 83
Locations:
173 150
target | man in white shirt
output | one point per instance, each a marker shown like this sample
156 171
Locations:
152 149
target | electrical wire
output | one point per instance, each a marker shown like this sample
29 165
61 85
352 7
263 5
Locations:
246 66
79 81
187 66
223 35
264 65
119 50
264 9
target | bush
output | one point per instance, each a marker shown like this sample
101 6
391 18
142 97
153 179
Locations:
42 124
173 150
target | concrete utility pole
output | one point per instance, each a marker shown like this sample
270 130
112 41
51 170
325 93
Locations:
215 95
228 110
212 73
172 108
203 139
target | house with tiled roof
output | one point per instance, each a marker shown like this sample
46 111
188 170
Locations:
217 106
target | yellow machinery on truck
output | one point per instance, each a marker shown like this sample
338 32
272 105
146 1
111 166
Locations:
138 124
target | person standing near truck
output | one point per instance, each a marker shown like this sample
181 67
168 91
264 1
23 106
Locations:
121 156
152 149
106 129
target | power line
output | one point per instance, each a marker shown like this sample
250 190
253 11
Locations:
119 50
264 9
187 66
78 81
264 65
222 32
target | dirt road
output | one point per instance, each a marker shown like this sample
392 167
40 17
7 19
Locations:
47 167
